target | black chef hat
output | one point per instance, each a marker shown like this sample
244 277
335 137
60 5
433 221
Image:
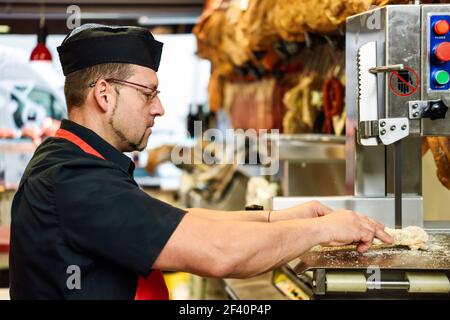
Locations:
92 44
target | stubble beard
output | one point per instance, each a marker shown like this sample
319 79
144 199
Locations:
131 145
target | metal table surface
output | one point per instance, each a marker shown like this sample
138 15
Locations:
436 258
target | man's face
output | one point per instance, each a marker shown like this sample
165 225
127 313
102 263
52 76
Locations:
135 111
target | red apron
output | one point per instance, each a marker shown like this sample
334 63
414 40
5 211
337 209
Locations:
151 288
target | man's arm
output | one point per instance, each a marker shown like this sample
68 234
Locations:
256 216
310 209
239 249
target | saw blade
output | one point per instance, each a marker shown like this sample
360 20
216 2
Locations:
367 87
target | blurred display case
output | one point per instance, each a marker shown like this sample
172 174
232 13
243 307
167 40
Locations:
311 164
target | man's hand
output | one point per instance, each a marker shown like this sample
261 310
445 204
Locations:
311 209
346 227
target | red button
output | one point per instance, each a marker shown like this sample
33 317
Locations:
442 51
441 27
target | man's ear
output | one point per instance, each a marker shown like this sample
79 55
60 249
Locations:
103 95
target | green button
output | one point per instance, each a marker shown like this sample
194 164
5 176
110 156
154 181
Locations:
442 77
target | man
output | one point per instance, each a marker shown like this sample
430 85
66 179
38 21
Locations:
81 227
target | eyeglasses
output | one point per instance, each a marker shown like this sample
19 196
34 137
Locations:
149 95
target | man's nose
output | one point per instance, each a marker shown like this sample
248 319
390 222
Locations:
157 108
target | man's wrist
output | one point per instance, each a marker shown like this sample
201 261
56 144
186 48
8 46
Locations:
279 215
274 216
319 229
283 215
268 216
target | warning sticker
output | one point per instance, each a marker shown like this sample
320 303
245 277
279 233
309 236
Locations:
404 82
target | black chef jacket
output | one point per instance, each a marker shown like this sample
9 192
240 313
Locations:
76 212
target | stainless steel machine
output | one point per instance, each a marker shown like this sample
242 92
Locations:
397 91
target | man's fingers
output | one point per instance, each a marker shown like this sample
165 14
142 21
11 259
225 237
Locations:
376 223
363 247
322 210
384 236
370 220
368 226
367 235
379 231
325 210
370 230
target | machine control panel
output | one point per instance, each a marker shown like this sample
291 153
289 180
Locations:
440 52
